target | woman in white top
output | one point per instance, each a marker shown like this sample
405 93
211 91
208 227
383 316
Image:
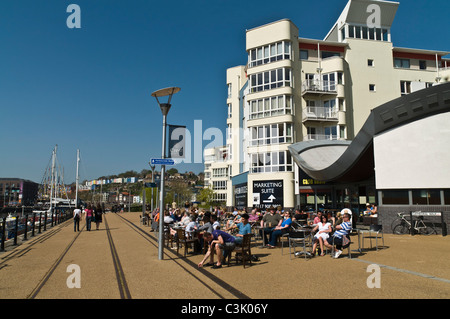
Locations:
323 229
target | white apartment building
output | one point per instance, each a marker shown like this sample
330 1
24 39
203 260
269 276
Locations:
297 89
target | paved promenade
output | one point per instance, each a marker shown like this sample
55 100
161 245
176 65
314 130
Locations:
120 261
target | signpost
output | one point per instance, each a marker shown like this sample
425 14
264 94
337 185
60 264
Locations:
162 161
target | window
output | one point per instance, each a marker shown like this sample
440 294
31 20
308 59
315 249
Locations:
395 197
304 54
426 197
423 64
405 87
358 32
329 82
229 111
270 53
372 88
446 196
402 63
370 62
342 131
271 106
219 185
229 90
270 80
326 54
271 134
271 162
220 172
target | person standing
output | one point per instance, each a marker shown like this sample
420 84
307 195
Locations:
88 214
76 219
98 216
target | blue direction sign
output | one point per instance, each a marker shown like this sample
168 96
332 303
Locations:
162 161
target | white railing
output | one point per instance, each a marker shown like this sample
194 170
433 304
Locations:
320 113
320 137
319 86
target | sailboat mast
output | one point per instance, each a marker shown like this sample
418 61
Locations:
77 180
53 181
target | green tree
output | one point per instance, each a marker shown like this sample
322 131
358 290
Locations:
206 195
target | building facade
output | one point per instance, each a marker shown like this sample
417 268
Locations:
17 192
296 89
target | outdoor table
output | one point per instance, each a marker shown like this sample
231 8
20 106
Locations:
258 227
307 231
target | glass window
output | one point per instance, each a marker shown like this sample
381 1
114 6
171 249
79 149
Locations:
358 32
395 197
304 54
426 197
402 63
446 196
351 31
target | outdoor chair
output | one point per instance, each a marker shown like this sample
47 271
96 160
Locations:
182 240
374 232
299 238
343 247
244 251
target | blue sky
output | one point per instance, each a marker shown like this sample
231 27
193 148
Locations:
89 88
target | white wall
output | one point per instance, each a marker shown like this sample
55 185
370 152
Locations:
414 156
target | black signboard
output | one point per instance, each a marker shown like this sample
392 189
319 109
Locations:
177 141
267 194
240 196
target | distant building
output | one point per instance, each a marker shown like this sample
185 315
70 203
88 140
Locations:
16 191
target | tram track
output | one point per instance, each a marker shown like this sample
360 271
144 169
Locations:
19 252
189 264
49 273
120 275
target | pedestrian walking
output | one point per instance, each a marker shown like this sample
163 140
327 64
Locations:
88 215
98 216
76 219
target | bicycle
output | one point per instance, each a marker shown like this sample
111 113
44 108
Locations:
402 226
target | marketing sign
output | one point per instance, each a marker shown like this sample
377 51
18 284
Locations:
267 194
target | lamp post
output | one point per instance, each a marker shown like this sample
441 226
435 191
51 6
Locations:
165 107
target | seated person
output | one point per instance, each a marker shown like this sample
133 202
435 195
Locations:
218 242
318 218
323 229
243 228
235 220
167 218
191 227
341 231
269 221
280 230
215 223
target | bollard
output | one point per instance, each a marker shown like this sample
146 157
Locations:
45 221
25 234
16 230
444 225
3 235
33 226
52 219
412 224
40 222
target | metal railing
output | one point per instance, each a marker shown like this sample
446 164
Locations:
28 224
320 113
316 85
320 137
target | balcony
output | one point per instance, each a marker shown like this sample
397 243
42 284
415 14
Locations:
319 87
320 137
320 113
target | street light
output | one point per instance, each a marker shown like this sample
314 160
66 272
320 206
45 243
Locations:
165 107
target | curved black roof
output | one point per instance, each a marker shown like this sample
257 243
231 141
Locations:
345 161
